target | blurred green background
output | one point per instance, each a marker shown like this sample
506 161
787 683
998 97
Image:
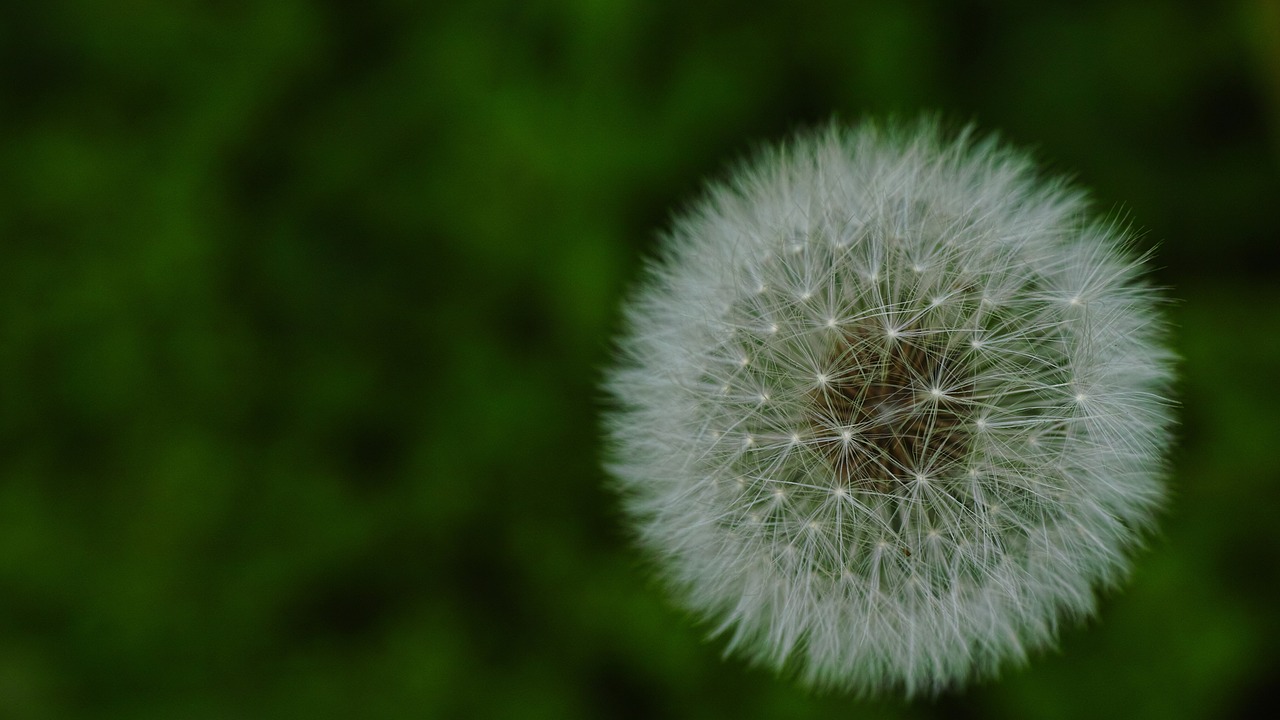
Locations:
303 308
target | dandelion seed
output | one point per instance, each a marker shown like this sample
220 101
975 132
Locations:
945 498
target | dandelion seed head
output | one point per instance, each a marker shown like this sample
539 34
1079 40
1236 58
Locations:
867 423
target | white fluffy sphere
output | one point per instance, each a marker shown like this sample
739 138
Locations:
889 407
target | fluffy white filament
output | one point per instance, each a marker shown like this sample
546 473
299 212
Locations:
890 407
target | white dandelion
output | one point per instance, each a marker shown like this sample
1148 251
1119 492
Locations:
890 407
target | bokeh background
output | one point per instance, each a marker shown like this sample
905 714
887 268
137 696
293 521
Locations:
303 308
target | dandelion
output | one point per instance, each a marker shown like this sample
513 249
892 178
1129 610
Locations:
890 408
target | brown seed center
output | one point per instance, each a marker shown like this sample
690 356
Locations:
897 410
